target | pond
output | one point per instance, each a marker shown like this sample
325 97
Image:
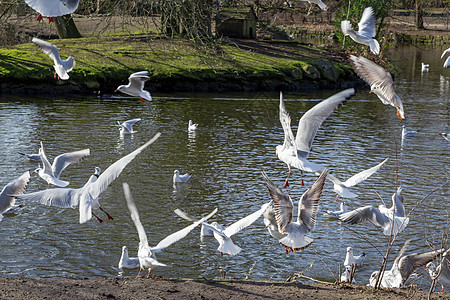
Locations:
234 142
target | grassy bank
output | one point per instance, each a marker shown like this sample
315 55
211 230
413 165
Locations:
176 65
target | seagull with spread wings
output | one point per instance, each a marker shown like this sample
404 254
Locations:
367 30
127 126
295 238
15 187
87 196
380 81
295 152
135 87
62 67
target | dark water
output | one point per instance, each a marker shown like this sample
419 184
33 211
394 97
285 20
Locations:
235 141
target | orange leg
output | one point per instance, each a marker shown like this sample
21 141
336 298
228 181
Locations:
286 183
109 217
98 219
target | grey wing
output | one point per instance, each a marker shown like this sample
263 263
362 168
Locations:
48 48
135 215
285 120
282 203
309 202
138 79
68 64
15 187
45 163
313 119
366 214
367 25
398 199
245 222
64 197
184 215
63 160
129 124
361 176
411 262
114 170
373 74
445 264
445 52
176 236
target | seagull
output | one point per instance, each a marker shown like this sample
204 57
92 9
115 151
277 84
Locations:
146 254
296 239
342 188
135 86
127 126
53 8
322 5
445 136
406 132
15 187
127 262
294 153
403 268
51 173
447 61
425 67
346 274
442 272
32 157
337 213
367 30
180 178
85 197
350 259
62 67
380 81
381 216
192 126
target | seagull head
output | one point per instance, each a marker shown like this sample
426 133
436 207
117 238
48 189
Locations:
176 172
120 88
124 249
97 173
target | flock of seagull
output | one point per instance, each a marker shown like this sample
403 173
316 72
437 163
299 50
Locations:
278 213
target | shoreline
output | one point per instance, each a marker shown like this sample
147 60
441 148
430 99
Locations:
157 287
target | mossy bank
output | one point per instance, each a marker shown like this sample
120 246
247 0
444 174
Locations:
102 63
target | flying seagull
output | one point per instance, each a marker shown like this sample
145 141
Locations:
127 126
294 152
295 231
15 187
51 173
62 67
380 81
146 254
135 87
85 197
367 30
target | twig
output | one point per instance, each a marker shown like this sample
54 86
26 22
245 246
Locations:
315 280
324 263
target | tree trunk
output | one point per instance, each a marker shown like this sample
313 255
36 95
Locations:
419 15
66 28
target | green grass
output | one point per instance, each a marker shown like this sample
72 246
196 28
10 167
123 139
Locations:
113 58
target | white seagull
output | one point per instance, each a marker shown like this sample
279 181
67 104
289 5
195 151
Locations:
51 173
127 126
32 157
442 272
192 126
127 262
346 275
146 254
294 152
223 234
296 239
135 87
15 187
447 61
180 178
381 216
406 132
367 30
350 259
53 8
425 67
380 81
342 188
87 196
322 5
62 67
403 268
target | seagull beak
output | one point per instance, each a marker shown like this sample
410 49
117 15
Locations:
116 90
371 91
398 114
426 268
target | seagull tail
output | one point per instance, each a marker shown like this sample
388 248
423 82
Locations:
374 46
